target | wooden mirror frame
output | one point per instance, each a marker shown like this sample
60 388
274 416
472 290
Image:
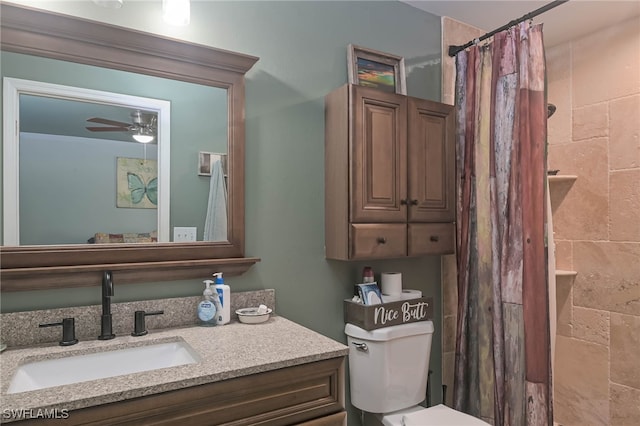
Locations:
57 36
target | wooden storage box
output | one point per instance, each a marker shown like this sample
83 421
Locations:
370 317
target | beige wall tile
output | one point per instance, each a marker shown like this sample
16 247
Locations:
580 209
625 58
564 306
607 276
590 121
581 383
603 82
456 33
448 368
625 405
564 255
449 333
559 93
624 133
591 325
449 285
602 73
558 62
624 205
625 350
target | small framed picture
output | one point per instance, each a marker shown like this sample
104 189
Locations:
206 160
205 163
371 68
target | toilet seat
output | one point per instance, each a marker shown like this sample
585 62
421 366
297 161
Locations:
440 415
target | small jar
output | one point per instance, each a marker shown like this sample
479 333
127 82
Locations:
367 275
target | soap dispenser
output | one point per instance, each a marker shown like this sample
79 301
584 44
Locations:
207 307
224 295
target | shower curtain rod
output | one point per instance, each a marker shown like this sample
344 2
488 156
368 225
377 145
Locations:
453 50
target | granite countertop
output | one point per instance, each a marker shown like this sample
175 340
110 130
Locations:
228 351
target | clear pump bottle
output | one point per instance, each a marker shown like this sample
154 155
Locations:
207 307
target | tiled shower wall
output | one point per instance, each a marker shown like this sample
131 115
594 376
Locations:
595 135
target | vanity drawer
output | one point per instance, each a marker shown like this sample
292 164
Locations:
288 396
379 240
431 238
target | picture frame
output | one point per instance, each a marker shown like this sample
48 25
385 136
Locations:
206 160
136 183
372 68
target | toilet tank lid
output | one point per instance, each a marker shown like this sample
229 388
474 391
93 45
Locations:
389 333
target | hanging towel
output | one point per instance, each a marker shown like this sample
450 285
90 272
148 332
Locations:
215 225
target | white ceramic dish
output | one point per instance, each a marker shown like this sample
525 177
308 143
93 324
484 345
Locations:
251 315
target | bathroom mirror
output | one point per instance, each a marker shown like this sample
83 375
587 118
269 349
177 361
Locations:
33 32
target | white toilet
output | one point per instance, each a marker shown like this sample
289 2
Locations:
388 370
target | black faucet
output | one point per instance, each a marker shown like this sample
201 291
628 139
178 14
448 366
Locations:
106 319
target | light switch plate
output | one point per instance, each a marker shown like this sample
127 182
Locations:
184 234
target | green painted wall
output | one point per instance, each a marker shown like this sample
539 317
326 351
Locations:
302 48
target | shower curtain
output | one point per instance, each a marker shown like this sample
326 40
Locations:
503 366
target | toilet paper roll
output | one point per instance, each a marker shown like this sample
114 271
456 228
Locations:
411 294
391 283
386 298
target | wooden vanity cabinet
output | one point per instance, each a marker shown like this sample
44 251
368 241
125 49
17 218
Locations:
389 175
309 394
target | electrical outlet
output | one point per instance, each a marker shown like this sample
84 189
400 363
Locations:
184 234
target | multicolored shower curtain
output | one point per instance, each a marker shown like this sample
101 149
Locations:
503 365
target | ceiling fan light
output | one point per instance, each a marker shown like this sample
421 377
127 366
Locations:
142 138
111 4
176 12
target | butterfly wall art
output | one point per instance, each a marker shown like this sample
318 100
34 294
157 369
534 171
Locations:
137 183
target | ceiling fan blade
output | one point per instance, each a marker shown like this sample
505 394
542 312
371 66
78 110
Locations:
108 129
109 122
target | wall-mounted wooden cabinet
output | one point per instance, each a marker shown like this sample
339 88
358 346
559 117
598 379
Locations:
389 175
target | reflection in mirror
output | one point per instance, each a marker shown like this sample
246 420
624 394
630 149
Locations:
199 118
76 174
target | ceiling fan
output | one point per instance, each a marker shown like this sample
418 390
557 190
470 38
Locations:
143 126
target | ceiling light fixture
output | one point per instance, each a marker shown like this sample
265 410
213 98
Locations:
143 136
111 4
176 12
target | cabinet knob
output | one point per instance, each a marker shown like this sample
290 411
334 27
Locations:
414 202
382 240
434 238
404 202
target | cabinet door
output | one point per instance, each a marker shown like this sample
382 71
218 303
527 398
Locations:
431 161
378 147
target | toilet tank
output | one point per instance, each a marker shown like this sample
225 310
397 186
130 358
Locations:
391 372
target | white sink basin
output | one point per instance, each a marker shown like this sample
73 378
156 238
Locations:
82 368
